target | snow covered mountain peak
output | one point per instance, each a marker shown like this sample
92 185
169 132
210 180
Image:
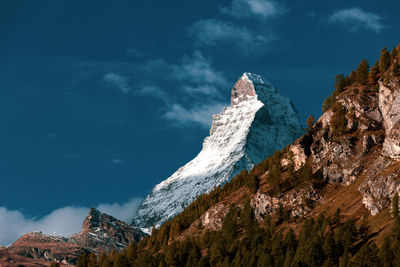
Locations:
258 122
250 86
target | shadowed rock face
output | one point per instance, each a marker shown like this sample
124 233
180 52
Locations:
100 232
258 122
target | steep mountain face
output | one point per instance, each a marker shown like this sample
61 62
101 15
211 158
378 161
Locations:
258 122
364 159
353 153
100 232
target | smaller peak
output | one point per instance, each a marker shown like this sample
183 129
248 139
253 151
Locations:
93 211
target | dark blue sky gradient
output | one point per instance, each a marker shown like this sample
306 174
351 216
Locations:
68 137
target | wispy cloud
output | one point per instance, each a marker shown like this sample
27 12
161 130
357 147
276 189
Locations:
200 114
357 18
254 8
117 80
210 32
154 91
63 221
194 89
199 74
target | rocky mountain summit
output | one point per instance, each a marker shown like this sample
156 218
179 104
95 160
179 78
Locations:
258 122
100 233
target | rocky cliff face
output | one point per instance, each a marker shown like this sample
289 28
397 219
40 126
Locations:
100 232
258 122
367 155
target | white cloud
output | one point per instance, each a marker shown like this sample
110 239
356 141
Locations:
357 19
201 114
63 221
193 82
202 89
211 31
117 80
258 8
198 70
124 212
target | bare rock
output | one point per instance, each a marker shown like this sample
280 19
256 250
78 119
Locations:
298 201
389 104
102 232
212 219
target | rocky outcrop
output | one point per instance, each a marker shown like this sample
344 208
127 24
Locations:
381 184
258 122
389 103
213 218
299 202
368 152
100 232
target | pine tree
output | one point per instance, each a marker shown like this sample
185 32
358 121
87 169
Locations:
92 260
175 229
247 216
229 225
330 251
340 83
344 260
398 53
352 77
384 61
396 69
253 183
336 217
339 120
395 205
366 256
310 121
83 260
394 54
120 261
385 253
364 228
373 73
362 72
102 258
327 104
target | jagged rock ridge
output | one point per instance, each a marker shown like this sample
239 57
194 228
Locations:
100 232
258 122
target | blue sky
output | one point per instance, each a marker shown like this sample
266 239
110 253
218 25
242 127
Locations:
100 100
